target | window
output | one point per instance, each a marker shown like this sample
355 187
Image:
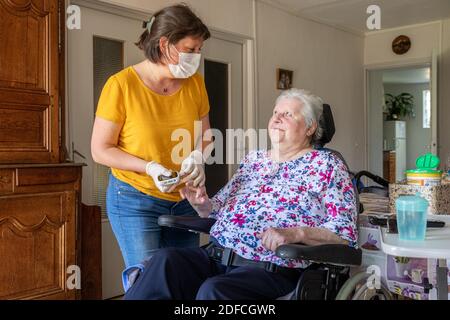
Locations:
108 60
426 109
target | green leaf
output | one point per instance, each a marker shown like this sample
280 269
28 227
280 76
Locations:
402 104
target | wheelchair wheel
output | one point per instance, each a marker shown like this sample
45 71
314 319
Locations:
356 288
364 293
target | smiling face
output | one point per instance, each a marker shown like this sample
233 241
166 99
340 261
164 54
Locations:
287 125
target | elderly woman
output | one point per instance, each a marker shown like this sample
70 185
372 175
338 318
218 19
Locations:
289 194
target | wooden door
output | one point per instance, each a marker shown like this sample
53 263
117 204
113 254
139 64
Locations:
30 81
40 231
37 245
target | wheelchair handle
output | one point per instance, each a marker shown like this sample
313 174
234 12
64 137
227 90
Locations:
372 176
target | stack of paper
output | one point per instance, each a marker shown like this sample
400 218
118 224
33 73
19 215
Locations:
374 204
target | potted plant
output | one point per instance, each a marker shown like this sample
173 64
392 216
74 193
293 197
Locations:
401 265
398 106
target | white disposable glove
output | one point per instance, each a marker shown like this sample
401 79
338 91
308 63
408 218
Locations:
154 169
192 169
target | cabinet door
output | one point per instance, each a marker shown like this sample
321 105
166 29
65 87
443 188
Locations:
37 245
29 81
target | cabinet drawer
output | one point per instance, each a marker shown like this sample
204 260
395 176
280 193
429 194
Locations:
45 176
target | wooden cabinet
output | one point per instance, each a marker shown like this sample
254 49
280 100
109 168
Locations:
38 230
31 81
389 166
40 220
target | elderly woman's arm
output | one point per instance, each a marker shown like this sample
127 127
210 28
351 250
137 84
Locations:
272 238
317 236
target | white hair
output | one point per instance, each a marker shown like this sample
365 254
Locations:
312 108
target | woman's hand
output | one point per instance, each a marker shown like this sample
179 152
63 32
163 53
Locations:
198 198
272 238
154 170
192 169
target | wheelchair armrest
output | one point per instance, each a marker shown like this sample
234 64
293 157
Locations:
195 224
338 254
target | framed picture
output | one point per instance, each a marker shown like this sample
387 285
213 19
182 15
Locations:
284 79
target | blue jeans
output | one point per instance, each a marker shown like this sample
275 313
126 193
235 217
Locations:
134 220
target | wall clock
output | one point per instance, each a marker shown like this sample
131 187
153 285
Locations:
401 44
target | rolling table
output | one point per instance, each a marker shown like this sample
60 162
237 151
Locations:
435 246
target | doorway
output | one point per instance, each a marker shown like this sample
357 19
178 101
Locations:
401 119
216 80
222 68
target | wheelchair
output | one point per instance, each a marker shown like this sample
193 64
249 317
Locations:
328 275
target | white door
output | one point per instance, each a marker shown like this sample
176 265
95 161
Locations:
113 33
230 53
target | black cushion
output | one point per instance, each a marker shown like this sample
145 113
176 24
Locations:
326 122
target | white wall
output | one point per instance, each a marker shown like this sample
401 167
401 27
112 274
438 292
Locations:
327 61
424 38
234 16
418 139
378 45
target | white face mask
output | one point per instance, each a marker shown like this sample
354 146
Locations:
188 64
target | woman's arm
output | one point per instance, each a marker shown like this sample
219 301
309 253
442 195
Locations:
104 148
318 236
272 238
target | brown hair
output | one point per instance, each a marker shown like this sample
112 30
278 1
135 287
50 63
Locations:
174 22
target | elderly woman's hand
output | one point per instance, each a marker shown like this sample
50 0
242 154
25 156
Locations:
195 195
198 198
272 238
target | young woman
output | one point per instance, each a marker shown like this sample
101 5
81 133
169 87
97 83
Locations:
139 109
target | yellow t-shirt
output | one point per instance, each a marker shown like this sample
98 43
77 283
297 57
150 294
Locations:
149 119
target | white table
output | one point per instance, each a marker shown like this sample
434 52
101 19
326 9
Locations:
435 246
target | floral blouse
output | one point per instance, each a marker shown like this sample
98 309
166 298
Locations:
314 190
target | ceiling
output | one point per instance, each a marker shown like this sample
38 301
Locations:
418 75
351 14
